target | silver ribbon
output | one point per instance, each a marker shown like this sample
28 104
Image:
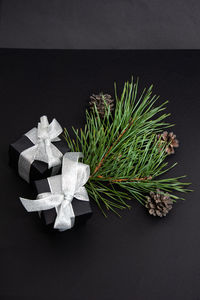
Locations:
43 149
74 176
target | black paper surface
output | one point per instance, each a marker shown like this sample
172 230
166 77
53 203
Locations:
135 257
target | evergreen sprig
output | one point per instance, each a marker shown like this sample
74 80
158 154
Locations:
123 151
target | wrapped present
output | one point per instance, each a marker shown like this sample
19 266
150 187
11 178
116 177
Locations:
38 153
62 200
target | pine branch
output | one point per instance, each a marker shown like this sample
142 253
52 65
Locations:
124 179
125 157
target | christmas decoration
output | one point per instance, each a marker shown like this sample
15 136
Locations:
124 157
158 204
170 141
122 149
101 102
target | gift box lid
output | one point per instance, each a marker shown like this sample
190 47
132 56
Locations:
39 169
82 209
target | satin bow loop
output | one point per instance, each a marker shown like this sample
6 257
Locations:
73 178
46 134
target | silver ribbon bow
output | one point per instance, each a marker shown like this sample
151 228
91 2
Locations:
43 149
74 177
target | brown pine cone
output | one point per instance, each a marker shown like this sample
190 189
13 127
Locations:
159 203
101 100
170 140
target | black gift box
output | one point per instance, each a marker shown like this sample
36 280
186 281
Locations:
39 169
82 209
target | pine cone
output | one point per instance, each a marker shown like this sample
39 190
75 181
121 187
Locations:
159 203
101 100
170 140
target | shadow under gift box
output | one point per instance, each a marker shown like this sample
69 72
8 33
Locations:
39 169
82 209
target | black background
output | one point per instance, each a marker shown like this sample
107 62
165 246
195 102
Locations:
133 257
104 24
